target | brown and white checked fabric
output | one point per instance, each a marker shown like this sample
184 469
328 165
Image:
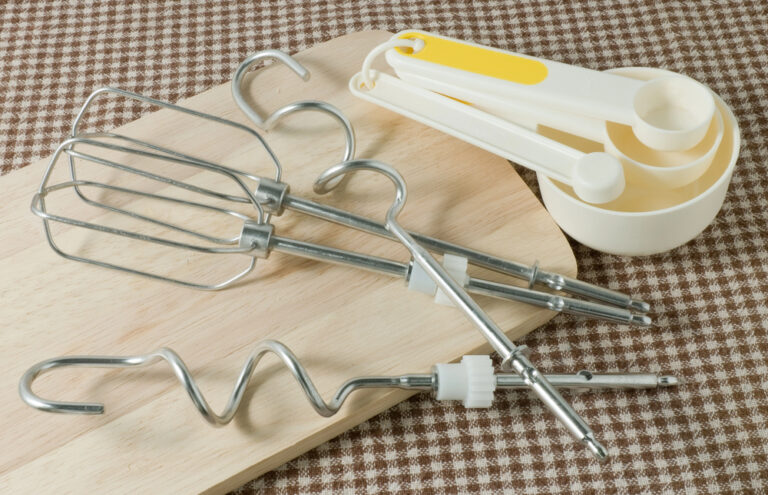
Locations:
709 435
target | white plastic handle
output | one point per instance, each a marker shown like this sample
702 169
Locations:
595 177
667 113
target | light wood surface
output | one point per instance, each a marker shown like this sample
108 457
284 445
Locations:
339 321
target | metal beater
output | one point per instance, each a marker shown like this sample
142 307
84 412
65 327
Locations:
256 239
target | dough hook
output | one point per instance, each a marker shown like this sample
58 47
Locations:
473 381
255 235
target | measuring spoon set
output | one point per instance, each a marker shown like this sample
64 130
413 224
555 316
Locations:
600 138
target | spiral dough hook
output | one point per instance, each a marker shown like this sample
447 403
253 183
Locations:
473 381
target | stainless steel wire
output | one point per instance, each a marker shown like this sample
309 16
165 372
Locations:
185 377
267 123
38 207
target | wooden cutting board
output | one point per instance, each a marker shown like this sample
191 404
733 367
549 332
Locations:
340 321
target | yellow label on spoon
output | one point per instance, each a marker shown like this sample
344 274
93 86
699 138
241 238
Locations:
476 59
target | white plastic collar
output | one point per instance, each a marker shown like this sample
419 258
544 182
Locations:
420 281
471 381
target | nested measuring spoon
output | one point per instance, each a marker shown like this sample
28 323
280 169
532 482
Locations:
667 113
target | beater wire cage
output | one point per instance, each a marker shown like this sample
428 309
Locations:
83 148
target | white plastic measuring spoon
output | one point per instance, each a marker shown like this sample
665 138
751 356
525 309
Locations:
595 177
667 113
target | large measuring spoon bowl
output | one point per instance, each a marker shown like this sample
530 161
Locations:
667 113
645 219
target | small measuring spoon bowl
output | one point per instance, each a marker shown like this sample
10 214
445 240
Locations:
671 113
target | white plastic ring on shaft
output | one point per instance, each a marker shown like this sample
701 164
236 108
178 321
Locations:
414 44
456 266
420 281
471 381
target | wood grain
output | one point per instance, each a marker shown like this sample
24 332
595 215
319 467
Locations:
340 321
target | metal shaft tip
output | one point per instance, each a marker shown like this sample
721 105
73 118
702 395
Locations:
639 306
600 452
668 381
641 320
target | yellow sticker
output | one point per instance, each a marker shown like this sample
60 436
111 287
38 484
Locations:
476 59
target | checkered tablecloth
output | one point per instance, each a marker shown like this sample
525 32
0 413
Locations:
709 435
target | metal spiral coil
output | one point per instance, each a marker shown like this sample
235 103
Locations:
184 376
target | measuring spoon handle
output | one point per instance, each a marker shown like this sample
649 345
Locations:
596 177
667 113
505 74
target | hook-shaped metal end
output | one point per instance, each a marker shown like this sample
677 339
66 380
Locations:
267 123
324 107
34 400
321 185
237 80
